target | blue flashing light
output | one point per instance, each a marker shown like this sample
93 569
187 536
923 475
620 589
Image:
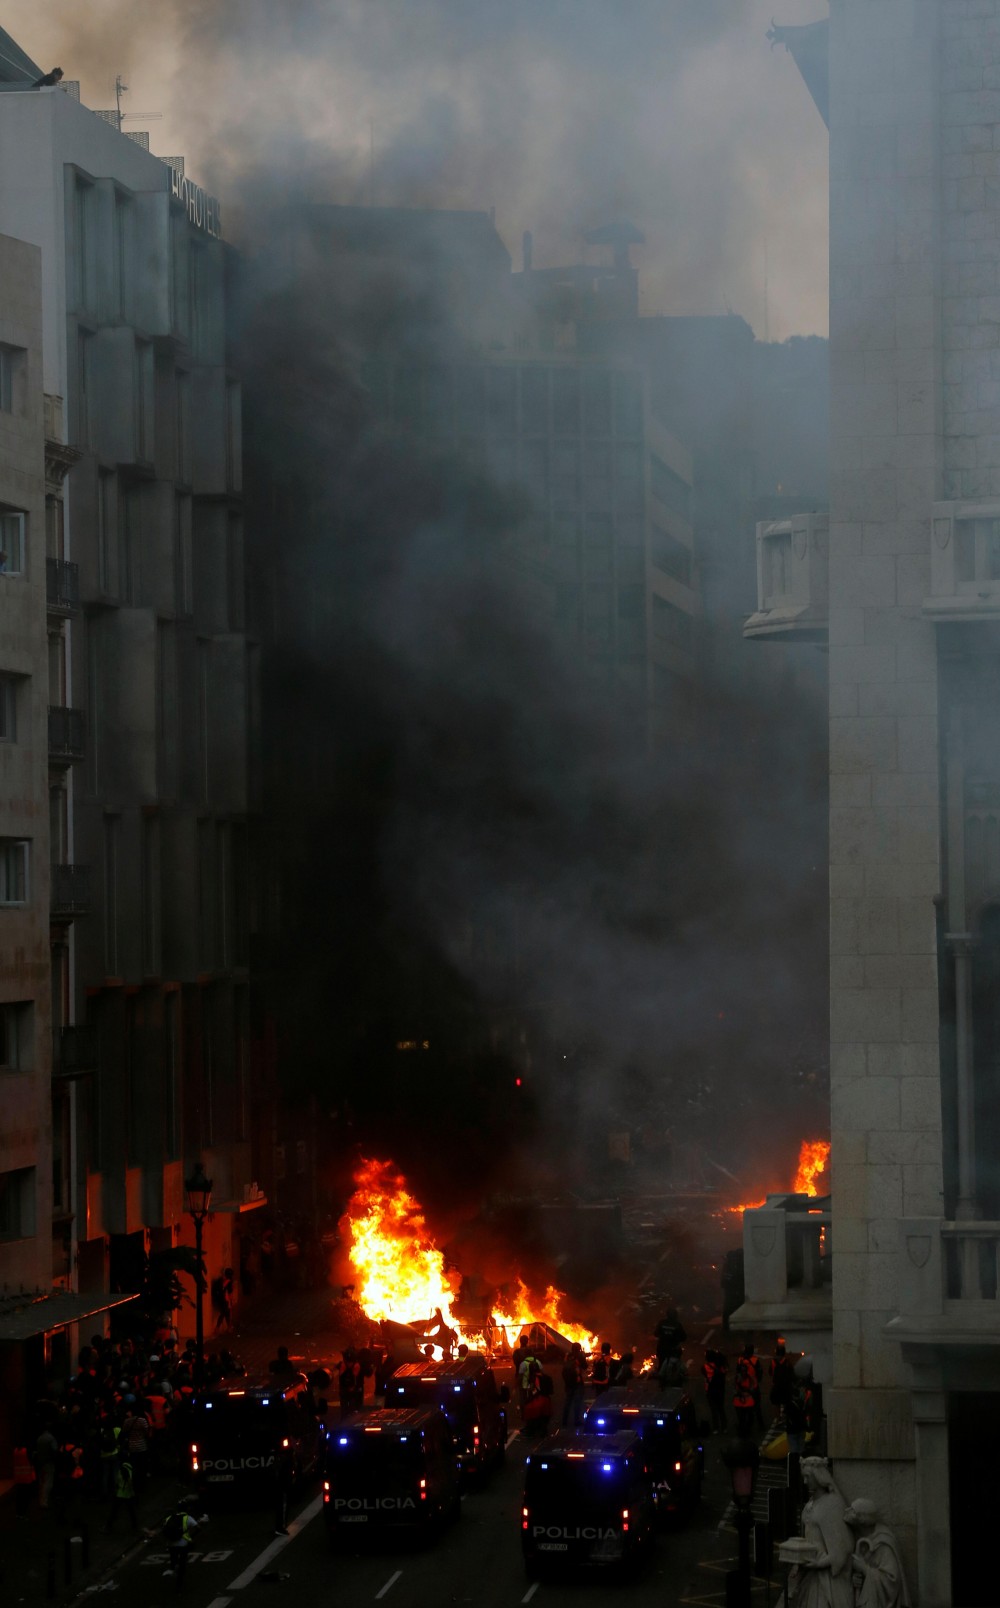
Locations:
343 1441
209 1405
601 1421
606 1467
266 1401
400 1390
403 1438
543 1465
456 1388
660 1421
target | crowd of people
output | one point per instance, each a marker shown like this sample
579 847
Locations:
792 1392
118 1418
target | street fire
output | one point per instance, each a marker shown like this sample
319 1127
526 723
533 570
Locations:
814 1156
401 1275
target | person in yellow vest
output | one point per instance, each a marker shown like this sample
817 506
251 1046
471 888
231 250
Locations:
124 1496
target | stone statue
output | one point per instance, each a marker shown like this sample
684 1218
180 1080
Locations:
879 1581
822 1579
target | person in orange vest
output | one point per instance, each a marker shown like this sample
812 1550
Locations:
744 1391
24 1479
714 1370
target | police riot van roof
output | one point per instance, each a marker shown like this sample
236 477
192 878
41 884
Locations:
639 1399
458 1370
566 1446
390 1421
259 1391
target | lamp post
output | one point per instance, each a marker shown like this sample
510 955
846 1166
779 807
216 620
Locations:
199 1198
741 1457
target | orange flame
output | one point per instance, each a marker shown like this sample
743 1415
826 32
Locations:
400 1273
813 1158
814 1154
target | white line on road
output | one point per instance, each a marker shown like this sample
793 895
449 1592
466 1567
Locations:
263 1559
220 1602
388 1585
513 1435
526 1598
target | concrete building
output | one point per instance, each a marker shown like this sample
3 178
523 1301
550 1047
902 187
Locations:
914 605
151 688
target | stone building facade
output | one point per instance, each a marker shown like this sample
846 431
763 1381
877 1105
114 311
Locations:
151 671
914 663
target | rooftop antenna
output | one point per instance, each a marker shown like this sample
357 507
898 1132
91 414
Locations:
121 88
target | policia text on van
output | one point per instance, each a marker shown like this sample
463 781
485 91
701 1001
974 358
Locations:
238 1437
390 1468
588 1499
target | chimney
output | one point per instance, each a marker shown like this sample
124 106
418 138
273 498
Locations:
526 251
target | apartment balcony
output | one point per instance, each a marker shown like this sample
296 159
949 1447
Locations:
71 891
62 587
965 561
67 735
949 1283
792 579
787 1264
76 1051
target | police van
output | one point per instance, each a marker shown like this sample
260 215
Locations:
467 1393
390 1468
665 1421
588 1500
240 1437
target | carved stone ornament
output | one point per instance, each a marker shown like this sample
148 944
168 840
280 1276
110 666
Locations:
799 541
763 1236
918 1249
942 532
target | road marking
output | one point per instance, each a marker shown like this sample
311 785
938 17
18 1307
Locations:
388 1585
526 1598
513 1435
220 1602
263 1559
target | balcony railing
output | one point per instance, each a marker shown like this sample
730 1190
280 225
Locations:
62 586
67 735
76 1053
949 1282
787 1263
70 891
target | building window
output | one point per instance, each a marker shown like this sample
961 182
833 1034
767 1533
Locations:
81 243
470 400
84 349
669 488
105 529
182 427
596 403
143 400
672 625
13 871
17 1204
234 436
565 477
8 708
501 399
12 373
628 405
172 1030
13 542
150 896
129 533
112 826
777 567
183 558
234 573
977 550
534 401
670 555
565 402
120 266
16 1037
597 476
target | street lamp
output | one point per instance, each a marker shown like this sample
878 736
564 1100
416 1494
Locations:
741 1457
199 1198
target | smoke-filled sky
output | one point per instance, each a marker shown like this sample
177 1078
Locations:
559 113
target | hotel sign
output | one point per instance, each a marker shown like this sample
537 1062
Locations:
203 210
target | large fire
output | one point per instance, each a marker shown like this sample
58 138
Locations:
400 1273
814 1155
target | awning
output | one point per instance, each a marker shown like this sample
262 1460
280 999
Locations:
22 1316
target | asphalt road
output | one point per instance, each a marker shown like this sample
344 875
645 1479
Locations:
477 1561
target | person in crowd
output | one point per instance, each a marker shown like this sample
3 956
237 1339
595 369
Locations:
135 1435
222 1300
781 1379
124 1495
179 1532
282 1366
600 1373
43 1457
743 1390
574 1374
714 1371
670 1335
